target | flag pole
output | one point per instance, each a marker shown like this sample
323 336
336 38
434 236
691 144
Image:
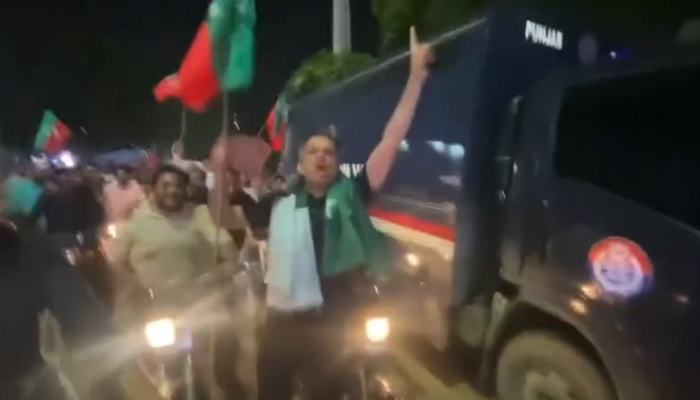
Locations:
219 211
220 203
183 123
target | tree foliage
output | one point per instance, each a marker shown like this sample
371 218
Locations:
326 68
395 17
432 17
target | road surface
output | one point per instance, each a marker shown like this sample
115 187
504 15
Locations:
422 372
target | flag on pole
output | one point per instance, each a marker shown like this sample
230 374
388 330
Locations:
52 134
221 56
276 123
167 88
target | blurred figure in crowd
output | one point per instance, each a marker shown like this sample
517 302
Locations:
244 207
69 204
35 277
123 196
197 191
94 180
21 195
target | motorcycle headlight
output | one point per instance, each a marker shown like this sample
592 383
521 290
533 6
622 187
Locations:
160 333
112 231
71 256
377 329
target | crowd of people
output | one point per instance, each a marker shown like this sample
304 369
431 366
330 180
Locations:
164 226
188 221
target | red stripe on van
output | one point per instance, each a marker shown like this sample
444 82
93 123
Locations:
442 231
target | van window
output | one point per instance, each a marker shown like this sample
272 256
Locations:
637 136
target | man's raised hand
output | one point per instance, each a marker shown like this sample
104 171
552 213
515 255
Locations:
421 56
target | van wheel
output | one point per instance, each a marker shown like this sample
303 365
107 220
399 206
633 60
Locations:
541 366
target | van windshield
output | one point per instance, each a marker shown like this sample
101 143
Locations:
637 136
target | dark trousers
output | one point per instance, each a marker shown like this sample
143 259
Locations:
300 347
227 352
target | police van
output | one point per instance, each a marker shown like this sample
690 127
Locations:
548 199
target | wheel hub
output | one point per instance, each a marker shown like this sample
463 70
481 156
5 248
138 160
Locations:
546 385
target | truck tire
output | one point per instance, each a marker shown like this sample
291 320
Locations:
540 365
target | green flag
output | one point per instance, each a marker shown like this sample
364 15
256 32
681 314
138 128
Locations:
221 57
231 24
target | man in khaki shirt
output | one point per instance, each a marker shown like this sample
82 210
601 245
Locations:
168 242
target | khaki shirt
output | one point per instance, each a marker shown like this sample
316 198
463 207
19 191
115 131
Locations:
170 250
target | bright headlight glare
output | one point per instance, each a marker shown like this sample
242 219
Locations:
160 333
377 329
67 159
412 260
112 230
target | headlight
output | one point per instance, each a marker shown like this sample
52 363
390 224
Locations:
71 256
160 333
412 259
377 329
112 231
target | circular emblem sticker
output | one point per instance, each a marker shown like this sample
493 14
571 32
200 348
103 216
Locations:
620 266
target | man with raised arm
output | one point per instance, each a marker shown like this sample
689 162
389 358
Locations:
322 243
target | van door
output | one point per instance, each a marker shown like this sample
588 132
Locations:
474 315
621 225
522 198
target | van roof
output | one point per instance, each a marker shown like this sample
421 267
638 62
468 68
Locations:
391 61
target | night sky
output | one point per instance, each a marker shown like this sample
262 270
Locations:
95 62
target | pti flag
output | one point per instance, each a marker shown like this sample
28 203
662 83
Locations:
52 134
167 88
220 58
276 124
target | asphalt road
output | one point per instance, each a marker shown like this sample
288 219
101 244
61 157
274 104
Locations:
433 376
423 373
419 371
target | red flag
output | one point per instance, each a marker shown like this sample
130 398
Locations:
167 88
199 82
59 137
221 54
276 136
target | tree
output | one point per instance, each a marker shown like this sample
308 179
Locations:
326 68
395 17
443 15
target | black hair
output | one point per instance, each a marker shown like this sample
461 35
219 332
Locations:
328 133
124 167
170 169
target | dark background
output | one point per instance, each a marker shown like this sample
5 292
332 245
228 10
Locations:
95 62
